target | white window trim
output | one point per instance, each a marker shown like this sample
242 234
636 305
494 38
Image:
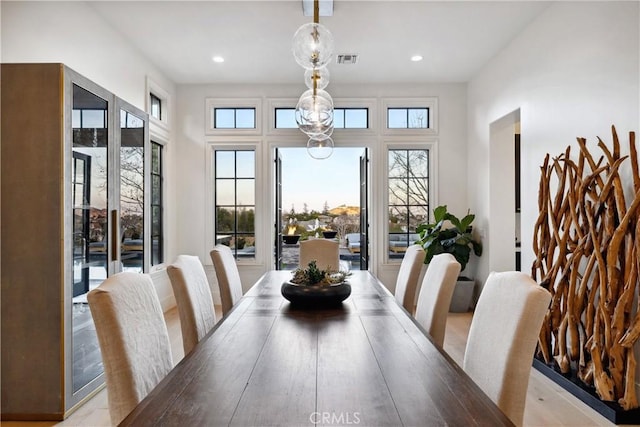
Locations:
429 102
212 103
210 227
159 130
430 144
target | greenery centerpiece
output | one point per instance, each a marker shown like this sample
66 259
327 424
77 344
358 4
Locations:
312 275
315 288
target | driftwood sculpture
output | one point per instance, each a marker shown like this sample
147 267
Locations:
587 254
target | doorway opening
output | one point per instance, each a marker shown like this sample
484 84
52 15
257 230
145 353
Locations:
504 192
320 199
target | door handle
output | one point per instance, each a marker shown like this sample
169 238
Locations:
115 232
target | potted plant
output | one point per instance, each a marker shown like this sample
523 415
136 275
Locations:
449 234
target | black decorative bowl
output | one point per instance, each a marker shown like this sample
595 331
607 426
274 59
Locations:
329 234
315 295
290 239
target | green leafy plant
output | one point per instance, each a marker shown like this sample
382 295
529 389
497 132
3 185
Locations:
456 240
312 275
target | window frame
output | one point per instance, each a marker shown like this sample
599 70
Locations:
432 146
234 144
160 174
211 104
431 103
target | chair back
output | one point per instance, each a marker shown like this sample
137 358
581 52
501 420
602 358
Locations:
503 336
194 300
325 252
408 276
133 339
228 276
435 295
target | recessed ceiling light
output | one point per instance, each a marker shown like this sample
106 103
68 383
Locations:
218 59
416 58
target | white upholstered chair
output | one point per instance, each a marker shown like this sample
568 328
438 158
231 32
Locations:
435 295
408 276
325 252
503 336
194 300
133 339
228 276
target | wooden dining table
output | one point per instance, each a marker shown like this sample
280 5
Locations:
365 362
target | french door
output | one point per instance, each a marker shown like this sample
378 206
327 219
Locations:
361 259
364 210
279 213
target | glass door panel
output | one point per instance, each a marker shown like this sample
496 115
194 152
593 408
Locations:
132 138
90 167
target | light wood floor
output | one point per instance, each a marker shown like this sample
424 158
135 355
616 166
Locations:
547 403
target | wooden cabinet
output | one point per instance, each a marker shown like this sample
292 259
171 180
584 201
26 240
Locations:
73 177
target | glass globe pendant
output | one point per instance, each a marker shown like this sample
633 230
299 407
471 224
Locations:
320 149
312 46
314 113
318 77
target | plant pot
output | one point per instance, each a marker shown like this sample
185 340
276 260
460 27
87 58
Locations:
329 234
290 239
462 295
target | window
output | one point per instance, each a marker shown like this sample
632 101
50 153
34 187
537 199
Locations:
157 235
234 118
350 118
286 118
343 118
408 179
156 106
235 185
408 118
159 109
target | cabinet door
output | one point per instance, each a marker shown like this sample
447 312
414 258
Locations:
132 140
90 166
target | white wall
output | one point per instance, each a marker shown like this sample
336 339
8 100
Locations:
573 72
73 34
193 145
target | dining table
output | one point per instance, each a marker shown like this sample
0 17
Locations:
363 362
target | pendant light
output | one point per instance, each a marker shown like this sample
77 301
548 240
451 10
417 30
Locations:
313 50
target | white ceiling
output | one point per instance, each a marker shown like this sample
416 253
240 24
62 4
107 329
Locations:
456 38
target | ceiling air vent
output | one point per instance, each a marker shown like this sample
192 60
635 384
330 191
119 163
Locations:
347 59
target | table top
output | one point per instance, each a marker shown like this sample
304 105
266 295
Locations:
364 363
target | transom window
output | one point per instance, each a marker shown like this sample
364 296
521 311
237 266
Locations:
235 185
350 118
408 118
286 118
408 179
156 106
234 118
343 118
